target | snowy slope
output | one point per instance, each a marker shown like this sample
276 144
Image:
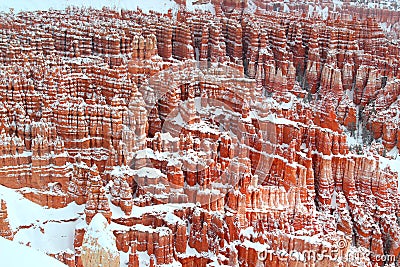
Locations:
13 254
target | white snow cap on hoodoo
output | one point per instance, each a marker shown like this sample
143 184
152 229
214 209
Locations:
99 247
99 230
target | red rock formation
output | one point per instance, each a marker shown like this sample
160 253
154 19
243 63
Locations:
79 185
312 73
5 229
97 201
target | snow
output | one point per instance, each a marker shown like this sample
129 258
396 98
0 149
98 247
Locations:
13 254
147 172
173 219
310 11
160 5
385 27
144 258
203 127
204 7
168 137
55 238
333 203
351 140
317 10
251 8
394 165
146 153
284 121
120 171
101 232
286 9
192 252
49 230
337 3
124 259
137 212
325 13
248 232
